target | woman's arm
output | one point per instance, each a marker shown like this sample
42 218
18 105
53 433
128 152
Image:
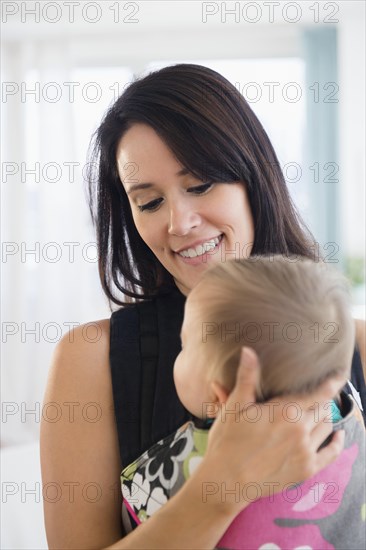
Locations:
79 451
79 456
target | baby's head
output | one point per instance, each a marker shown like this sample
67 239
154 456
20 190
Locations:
294 313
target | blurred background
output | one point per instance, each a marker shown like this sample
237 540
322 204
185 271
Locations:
300 65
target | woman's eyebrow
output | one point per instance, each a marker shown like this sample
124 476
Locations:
137 186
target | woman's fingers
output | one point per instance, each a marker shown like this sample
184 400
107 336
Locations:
246 379
320 430
330 452
325 393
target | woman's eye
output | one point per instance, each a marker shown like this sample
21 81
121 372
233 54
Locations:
196 190
150 206
200 189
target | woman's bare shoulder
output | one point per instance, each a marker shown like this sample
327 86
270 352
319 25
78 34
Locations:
80 362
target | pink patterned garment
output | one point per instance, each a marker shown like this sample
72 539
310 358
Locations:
281 521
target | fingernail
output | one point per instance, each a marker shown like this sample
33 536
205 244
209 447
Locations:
248 355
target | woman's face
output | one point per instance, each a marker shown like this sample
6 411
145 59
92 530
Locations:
188 224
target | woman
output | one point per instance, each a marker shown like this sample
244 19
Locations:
186 177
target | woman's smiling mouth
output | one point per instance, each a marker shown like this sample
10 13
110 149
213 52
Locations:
200 250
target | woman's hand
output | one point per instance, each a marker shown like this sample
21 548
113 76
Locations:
255 450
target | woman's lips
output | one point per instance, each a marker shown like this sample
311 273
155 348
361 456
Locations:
203 258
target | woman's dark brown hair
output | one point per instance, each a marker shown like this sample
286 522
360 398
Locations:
214 134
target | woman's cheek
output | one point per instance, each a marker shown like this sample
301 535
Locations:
150 231
143 231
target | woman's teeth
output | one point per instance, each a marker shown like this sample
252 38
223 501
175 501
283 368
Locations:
200 249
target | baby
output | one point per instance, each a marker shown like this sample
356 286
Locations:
295 314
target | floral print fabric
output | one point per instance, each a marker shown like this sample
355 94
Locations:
158 474
325 512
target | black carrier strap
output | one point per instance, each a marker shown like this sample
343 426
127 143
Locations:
358 382
149 349
144 343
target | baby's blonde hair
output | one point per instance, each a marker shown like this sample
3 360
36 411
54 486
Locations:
293 312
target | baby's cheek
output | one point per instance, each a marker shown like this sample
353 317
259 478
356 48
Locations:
178 375
185 388
176 371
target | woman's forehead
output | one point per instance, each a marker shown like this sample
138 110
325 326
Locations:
142 141
142 149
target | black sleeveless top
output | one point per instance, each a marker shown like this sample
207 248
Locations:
144 342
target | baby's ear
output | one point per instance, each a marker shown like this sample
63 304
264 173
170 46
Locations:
219 394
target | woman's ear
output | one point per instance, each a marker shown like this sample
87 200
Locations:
219 396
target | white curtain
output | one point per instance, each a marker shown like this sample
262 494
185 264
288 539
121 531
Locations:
49 256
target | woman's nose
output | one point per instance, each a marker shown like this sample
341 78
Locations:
182 220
